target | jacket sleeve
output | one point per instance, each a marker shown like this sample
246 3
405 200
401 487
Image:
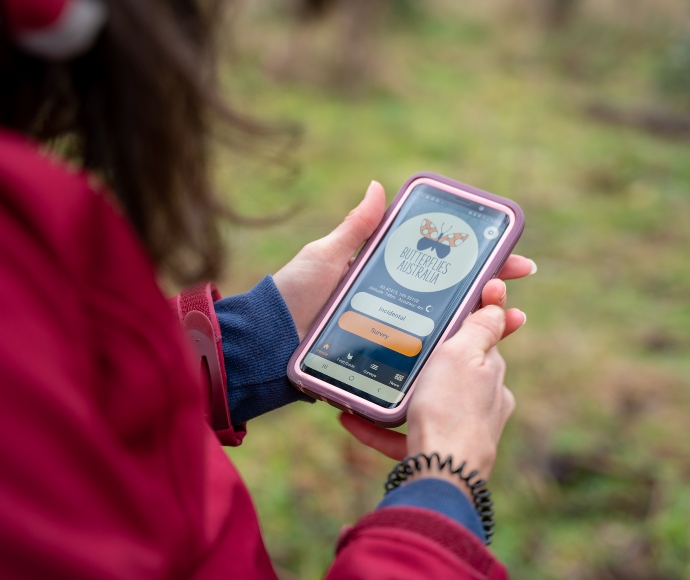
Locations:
245 377
244 342
438 495
259 337
412 543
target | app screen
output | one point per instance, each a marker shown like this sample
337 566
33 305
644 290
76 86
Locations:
403 299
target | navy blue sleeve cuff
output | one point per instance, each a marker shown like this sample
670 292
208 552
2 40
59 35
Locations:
259 337
440 496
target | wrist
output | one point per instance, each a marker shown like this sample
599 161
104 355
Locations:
468 441
292 298
478 453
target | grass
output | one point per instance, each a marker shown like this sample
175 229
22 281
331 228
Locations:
593 477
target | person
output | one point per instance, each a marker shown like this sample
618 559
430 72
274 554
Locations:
109 467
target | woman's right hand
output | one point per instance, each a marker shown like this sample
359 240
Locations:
460 404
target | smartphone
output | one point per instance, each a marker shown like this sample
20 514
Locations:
413 283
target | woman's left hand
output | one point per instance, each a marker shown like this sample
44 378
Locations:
310 278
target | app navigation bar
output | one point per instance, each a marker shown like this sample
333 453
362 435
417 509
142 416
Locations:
349 376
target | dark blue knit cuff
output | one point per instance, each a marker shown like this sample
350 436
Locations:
440 496
259 337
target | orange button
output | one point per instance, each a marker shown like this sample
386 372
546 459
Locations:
380 333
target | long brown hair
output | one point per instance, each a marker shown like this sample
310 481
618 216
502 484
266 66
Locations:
139 109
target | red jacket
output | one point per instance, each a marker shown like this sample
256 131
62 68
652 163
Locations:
107 467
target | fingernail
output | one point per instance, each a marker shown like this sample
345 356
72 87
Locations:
505 293
371 185
525 320
534 267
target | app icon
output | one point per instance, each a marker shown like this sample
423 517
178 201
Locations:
374 367
349 356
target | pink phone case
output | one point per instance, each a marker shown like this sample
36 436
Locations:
352 403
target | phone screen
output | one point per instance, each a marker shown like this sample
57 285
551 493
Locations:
404 298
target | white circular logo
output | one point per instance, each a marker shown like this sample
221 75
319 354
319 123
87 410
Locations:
431 252
491 233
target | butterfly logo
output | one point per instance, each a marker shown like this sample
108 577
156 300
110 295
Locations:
442 242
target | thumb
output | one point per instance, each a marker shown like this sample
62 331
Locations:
358 226
481 331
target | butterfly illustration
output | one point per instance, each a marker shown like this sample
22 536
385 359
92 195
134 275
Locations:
440 242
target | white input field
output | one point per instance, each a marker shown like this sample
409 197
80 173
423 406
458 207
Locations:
392 314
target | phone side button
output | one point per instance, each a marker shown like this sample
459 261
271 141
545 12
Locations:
310 393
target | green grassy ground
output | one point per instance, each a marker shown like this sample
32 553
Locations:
593 478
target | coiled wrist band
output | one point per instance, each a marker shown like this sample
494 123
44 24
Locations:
480 493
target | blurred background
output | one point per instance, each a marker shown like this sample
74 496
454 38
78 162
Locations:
580 111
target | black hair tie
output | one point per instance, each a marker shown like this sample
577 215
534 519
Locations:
480 493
